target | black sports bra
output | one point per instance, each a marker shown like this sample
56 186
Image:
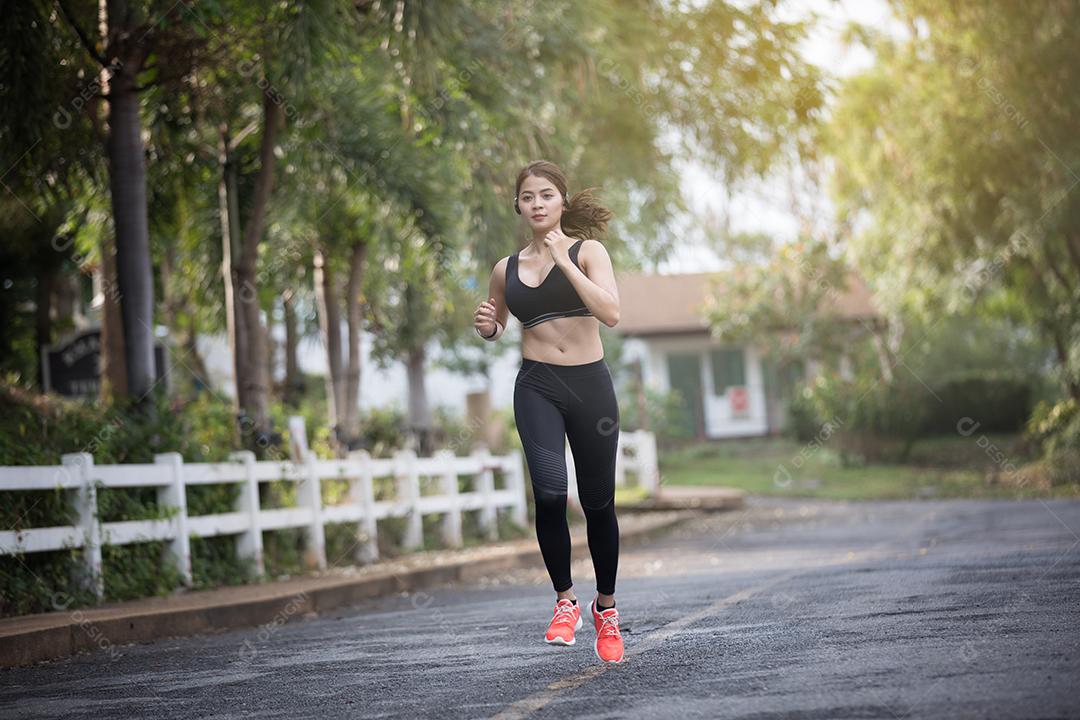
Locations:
554 298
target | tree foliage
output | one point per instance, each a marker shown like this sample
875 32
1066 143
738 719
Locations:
957 163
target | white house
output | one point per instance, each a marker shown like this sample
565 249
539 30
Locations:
735 391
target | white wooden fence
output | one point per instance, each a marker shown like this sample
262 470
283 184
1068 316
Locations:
171 476
79 476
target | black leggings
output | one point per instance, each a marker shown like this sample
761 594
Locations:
553 403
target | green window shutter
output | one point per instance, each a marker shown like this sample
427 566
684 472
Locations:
727 369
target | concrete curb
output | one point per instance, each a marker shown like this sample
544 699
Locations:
49 636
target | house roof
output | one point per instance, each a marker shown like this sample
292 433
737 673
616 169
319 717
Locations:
665 304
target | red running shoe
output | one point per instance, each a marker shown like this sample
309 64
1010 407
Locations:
609 644
566 620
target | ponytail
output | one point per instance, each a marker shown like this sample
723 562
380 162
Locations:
585 217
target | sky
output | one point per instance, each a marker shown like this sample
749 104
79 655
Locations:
765 206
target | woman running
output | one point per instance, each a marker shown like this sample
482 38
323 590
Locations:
561 287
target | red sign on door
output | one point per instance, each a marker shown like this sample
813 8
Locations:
739 399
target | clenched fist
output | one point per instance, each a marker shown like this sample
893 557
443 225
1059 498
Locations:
484 318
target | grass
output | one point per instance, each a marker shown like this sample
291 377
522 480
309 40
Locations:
629 495
940 468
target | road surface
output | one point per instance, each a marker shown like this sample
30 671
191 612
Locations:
789 609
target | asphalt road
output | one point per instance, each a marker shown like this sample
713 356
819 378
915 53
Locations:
789 609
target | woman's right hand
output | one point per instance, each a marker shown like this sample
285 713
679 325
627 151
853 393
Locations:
484 317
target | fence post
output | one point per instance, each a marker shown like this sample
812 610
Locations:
516 481
485 485
451 525
174 495
249 543
309 495
649 462
298 445
362 492
408 492
81 466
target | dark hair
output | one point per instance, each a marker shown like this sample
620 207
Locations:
584 216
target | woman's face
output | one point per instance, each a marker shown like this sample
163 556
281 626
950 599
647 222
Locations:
540 202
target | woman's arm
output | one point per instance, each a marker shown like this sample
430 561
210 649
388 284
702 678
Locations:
596 285
494 310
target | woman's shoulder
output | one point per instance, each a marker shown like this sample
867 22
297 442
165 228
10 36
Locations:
591 247
499 268
592 252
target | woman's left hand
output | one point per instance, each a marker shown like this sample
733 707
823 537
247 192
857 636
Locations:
558 244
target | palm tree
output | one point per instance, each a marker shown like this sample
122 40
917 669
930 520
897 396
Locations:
128 35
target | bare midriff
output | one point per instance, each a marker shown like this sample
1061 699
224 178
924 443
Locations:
563 341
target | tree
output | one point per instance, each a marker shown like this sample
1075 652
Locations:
129 33
956 159
51 148
787 306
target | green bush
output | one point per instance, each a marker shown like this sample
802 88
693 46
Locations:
391 534
42 582
137 570
342 543
120 504
870 420
876 421
36 508
802 421
211 499
1056 429
214 563
38 429
1001 403
1063 454
383 431
1049 419
283 551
